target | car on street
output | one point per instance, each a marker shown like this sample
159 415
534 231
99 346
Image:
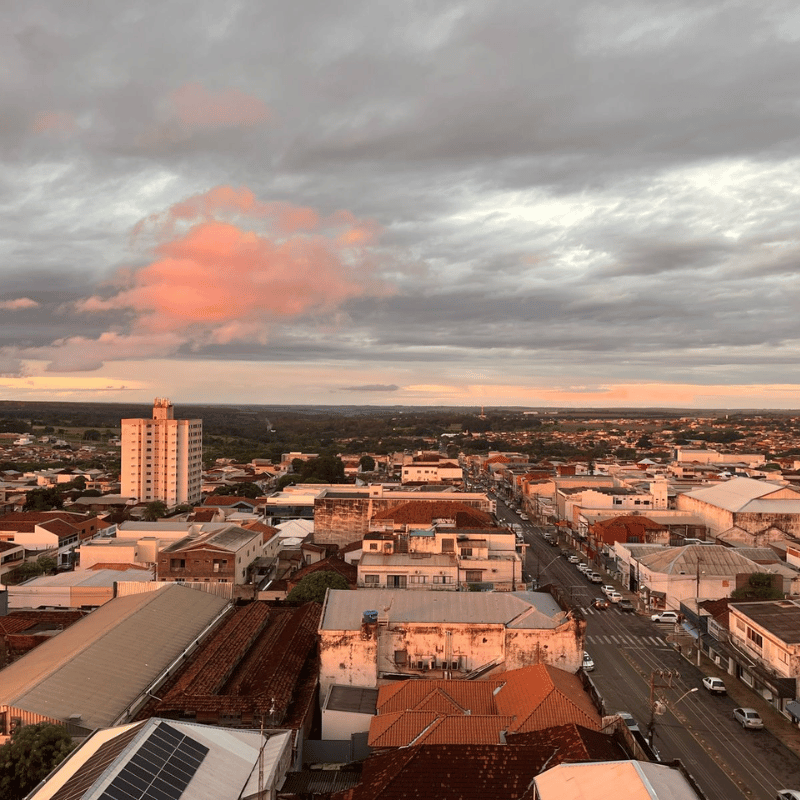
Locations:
788 794
715 686
588 663
629 721
584 568
600 603
666 616
524 516
594 577
614 596
607 588
573 559
748 718
626 605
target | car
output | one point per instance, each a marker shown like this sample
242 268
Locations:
788 794
614 596
524 516
594 577
748 718
715 686
626 605
607 588
600 603
584 568
628 719
666 616
573 559
588 663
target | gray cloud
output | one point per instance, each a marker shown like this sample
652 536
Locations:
572 193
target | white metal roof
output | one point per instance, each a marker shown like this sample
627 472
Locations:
632 780
713 560
735 494
344 609
101 664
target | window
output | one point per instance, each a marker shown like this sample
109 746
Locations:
373 545
442 579
466 552
755 638
220 564
177 563
474 576
448 545
371 580
417 579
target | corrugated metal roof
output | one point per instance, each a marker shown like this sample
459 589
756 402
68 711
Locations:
344 609
101 577
736 493
716 560
101 664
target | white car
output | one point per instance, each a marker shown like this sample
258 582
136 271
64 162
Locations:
748 718
588 663
666 616
594 577
614 596
607 588
715 686
573 559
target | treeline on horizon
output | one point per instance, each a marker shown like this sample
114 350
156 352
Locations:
244 432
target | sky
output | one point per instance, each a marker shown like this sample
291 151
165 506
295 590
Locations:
566 204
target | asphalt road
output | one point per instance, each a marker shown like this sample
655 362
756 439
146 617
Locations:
630 652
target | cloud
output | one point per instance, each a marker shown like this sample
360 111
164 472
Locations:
20 302
372 387
197 107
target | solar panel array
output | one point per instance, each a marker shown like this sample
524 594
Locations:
160 769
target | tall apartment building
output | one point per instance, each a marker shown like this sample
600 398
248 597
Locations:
162 457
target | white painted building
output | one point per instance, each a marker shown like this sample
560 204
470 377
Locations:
162 457
368 636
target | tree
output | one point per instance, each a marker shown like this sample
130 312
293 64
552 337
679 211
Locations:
154 511
314 586
759 587
367 464
250 490
29 756
91 435
43 499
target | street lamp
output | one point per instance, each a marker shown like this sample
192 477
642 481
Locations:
659 707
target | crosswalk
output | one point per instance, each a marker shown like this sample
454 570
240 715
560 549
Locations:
626 640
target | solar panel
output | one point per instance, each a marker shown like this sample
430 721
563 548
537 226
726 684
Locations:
160 769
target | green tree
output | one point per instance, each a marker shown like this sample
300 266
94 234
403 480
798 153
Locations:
154 511
367 464
314 586
29 756
91 435
44 499
759 587
250 490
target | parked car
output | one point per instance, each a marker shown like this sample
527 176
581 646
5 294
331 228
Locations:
666 616
629 721
588 663
614 596
748 718
584 568
788 794
524 516
715 686
573 559
626 605
600 603
594 577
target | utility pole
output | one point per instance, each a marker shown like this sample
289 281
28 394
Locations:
656 705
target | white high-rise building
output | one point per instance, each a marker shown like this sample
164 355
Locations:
162 457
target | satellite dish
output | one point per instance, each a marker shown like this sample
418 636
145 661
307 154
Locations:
659 708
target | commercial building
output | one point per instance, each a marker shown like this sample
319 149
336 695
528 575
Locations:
162 457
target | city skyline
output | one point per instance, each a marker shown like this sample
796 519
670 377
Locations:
561 205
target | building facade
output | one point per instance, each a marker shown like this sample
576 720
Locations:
162 457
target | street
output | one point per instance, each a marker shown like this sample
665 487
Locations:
630 653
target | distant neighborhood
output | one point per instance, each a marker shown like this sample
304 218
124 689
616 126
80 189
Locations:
381 613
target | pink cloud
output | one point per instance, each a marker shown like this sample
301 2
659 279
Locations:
198 107
20 302
54 121
227 265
